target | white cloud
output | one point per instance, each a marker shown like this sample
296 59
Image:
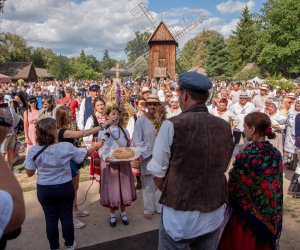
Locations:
232 6
69 26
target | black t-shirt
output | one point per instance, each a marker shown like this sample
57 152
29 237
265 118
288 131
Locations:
62 139
23 97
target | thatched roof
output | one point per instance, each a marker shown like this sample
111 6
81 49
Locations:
19 70
112 72
4 78
43 73
199 70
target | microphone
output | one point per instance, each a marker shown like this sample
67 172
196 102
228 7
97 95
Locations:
105 137
106 126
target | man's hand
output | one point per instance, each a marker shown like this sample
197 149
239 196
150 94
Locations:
159 182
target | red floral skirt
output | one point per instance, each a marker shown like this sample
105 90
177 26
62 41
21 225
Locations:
239 234
95 167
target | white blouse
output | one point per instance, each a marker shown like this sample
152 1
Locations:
116 139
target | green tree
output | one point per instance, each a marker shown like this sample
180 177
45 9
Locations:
82 57
83 71
280 37
138 46
93 62
242 43
42 57
195 51
217 61
60 68
13 48
107 62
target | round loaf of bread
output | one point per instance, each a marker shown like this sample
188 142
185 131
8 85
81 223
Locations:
123 153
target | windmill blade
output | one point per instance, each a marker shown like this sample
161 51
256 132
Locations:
141 62
144 17
187 24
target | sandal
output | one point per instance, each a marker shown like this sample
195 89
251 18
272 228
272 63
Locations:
124 219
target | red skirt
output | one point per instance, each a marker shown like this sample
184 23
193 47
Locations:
239 234
95 167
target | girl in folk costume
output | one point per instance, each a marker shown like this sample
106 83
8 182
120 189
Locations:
30 119
278 125
117 185
224 113
135 165
144 135
95 120
255 191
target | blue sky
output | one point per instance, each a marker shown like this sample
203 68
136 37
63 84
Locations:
68 26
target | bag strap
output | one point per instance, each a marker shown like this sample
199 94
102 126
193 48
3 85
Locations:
41 151
135 117
69 102
95 121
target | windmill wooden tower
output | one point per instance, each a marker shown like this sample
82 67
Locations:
163 42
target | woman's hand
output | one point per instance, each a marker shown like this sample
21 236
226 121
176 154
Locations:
98 144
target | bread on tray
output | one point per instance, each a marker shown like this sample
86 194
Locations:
123 153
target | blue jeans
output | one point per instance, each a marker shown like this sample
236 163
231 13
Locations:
57 203
203 242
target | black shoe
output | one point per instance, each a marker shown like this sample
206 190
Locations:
112 224
138 184
293 184
297 191
124 219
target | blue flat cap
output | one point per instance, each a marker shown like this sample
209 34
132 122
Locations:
94 87
194 81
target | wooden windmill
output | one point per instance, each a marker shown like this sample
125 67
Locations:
163 42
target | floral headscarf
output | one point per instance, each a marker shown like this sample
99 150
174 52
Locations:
255 188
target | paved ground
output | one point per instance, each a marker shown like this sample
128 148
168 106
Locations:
99 235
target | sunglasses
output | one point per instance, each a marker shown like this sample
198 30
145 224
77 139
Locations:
4 123
32 102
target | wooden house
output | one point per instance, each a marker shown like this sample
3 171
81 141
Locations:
43 74
19 70
162 57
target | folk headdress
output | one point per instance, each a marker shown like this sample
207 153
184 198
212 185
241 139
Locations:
118 97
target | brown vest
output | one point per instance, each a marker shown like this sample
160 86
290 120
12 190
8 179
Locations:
200 154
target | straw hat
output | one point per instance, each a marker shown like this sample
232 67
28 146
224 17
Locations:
145 90
264 87
244 95
152 98
291 96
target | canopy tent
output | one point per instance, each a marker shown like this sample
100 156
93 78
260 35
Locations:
257 79
114 71
5 78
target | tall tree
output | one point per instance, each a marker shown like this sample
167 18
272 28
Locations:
280 37
13 48
242 43
217 61
42 57
138 46
107 62
195 51
61 68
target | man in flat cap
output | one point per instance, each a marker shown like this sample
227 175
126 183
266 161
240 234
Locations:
87 107
190 156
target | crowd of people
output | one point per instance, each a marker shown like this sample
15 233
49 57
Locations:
189 130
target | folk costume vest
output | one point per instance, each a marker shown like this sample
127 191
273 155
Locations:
200 154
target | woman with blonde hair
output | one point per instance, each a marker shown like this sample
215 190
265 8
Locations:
65 134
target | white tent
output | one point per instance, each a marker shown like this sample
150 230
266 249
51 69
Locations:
257 79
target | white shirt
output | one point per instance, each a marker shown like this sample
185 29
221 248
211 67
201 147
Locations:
53 165
80 117
259 102
144 135
240 113
110 144
180 224
6 209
